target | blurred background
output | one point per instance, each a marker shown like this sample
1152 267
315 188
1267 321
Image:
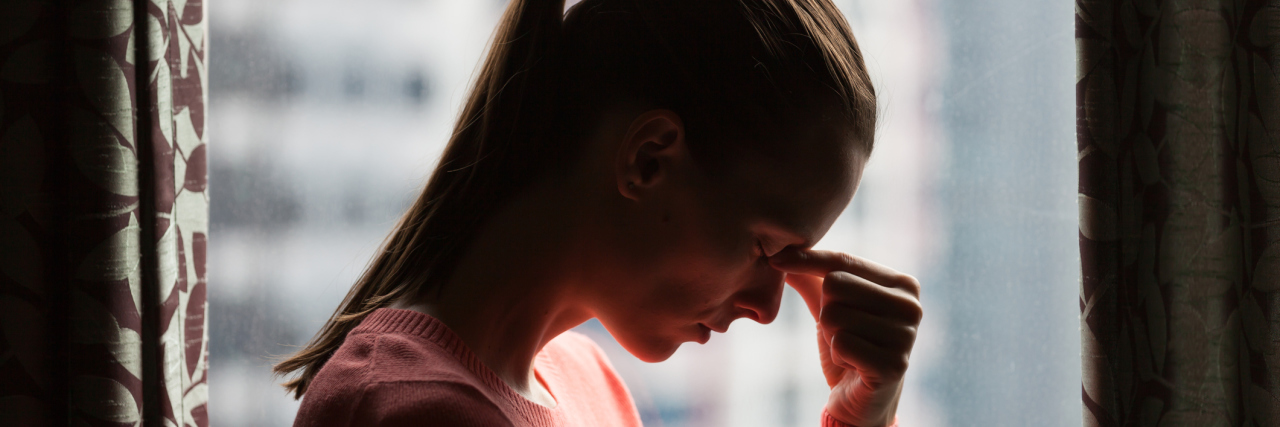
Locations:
327 116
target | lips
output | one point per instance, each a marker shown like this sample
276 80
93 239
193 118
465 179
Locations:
719 330
704 334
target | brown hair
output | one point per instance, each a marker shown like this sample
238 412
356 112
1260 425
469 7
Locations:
742 74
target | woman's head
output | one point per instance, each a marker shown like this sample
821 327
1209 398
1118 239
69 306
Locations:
723 126
731 129
678 250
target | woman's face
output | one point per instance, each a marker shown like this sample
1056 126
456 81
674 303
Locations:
692 258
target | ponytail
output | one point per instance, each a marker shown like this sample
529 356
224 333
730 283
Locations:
505 119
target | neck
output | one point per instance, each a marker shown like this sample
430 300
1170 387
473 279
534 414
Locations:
514 289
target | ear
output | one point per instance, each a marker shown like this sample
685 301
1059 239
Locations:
653 145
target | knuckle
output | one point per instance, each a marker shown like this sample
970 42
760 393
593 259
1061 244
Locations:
905 344
833 335
836 276
834 281
916 311
908 283
907 335
833 314
824 315
842 342
846 259
900 364
827 319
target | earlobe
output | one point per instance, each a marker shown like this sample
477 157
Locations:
653 144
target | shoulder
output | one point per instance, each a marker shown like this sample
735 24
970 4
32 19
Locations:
394 379
433 403
371 358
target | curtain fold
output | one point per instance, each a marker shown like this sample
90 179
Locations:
103 213
1178 106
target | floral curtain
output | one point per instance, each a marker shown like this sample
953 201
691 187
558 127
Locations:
103 213
1179 155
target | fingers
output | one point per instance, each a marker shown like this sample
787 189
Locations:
875 363
867 342
839 287
819 263
870 328
889 333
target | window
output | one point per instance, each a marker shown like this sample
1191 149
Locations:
327 116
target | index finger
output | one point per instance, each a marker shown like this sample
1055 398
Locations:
819 263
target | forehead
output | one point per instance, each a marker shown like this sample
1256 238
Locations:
804 190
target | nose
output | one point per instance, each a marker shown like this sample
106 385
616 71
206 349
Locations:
761 298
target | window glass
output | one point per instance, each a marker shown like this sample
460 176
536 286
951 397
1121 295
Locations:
327 116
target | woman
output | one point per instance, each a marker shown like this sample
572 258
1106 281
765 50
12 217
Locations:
661 165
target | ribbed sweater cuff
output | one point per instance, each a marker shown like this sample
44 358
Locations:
830 421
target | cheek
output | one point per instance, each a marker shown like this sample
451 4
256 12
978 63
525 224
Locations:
691 286
689 261
694 282
713 258
698 288
706 271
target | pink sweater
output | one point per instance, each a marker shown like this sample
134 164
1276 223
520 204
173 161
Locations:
404 368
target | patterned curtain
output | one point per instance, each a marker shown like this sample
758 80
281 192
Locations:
103 213
1179 154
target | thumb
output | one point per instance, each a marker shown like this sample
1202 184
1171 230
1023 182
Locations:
810 289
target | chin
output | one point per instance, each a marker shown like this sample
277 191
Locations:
652 349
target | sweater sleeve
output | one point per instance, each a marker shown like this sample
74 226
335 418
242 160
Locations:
435 403
830 421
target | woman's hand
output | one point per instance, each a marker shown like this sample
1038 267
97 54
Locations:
867 319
